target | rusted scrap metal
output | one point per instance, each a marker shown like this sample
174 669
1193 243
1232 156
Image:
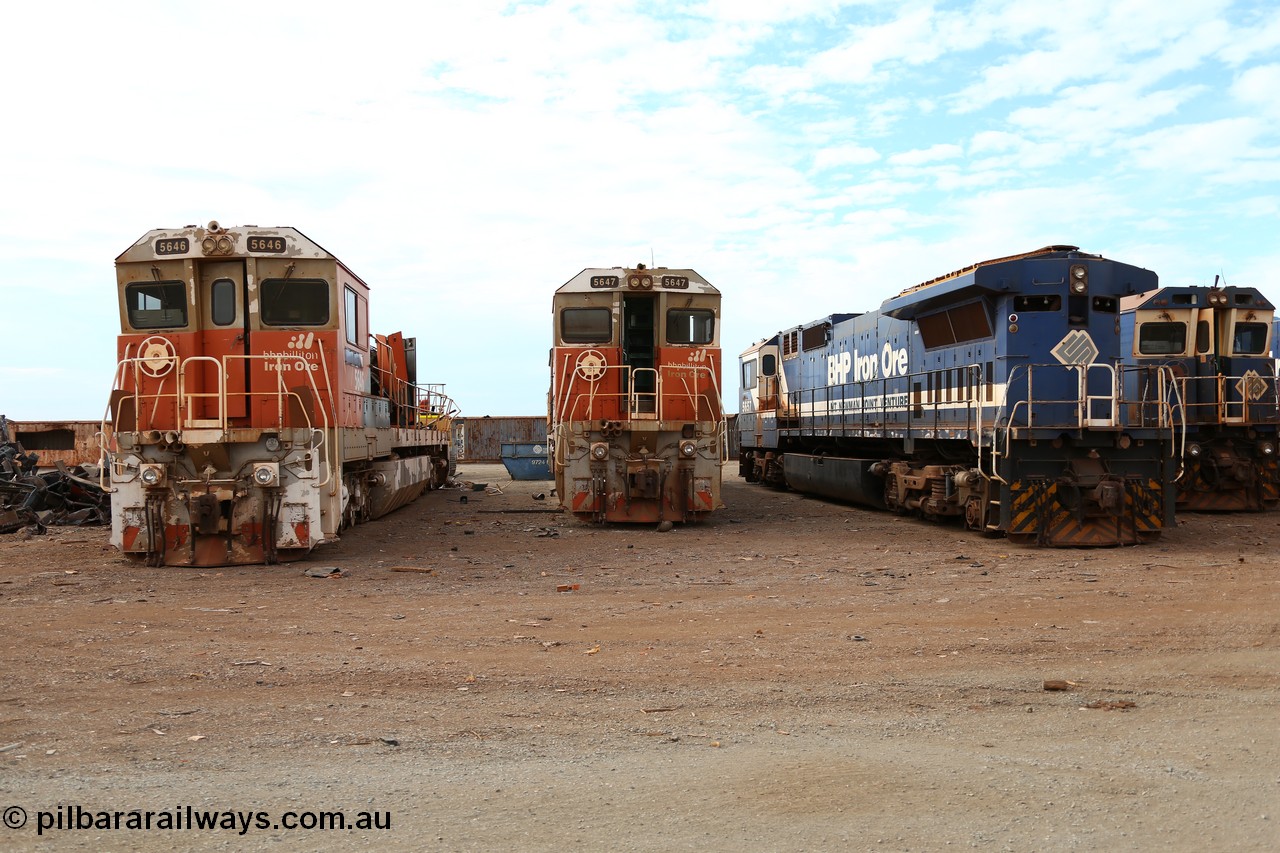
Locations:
38 499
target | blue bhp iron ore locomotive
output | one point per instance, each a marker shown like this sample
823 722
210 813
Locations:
1216 341
995 393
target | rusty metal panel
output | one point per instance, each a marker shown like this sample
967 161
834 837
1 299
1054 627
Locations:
69 442
481 439
735 441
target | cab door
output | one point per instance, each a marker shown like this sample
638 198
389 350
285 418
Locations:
223 337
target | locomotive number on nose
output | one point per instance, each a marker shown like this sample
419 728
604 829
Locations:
266 244
173 246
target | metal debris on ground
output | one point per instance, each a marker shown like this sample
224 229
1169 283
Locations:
34 499
324 572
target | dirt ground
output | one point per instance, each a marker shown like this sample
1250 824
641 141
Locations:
790 675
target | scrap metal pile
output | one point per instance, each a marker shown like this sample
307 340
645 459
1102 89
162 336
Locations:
37 500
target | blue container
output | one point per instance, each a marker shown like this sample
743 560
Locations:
526 461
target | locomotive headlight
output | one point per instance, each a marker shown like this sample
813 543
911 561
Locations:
1079 279
266 473
151 475
688 448
1193 450
273 444
1266 448
599 451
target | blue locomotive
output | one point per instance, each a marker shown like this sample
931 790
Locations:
1216 341
995 394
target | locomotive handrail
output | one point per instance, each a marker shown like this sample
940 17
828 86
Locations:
1220 406
571 407
567 408
134 365
220 394
1087 400
634 397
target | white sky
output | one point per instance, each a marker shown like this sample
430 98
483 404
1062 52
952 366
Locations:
466 158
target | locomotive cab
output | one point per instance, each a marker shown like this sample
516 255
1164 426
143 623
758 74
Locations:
1216 342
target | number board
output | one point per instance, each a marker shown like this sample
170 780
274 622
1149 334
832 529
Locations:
275 245
676 282
604 281
173 246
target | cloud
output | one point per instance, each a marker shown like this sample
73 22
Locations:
466 159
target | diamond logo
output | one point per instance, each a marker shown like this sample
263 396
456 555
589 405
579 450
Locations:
1076 348
1251 386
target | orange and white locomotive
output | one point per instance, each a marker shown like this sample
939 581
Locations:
254 415
635 426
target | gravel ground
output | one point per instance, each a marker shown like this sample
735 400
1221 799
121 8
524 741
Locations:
790 675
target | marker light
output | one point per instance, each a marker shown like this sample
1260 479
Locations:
688 448
151 475
599 451
266 473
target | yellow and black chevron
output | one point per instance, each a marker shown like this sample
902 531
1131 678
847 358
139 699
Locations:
1202 489
1052 512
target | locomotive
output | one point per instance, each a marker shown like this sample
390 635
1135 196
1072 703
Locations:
995 394
254 414
636 430
1216 341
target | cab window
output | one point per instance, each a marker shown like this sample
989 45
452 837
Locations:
1162 339
586 325
749 374
294 302
351 314
1249 339
222 302
156 304
695 326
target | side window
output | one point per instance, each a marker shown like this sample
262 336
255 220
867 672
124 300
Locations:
586 325
695 326
294 302
222 298
749 374
1162 338
351 316
156 304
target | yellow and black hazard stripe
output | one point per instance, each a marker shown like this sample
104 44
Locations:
1202 489
1053 512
